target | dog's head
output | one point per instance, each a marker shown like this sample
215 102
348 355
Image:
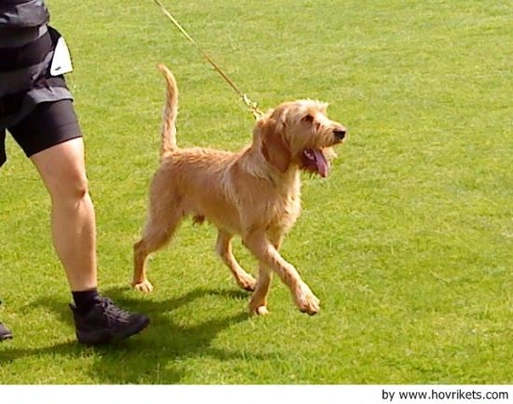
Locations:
299 133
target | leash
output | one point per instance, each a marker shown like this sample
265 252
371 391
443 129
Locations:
253 106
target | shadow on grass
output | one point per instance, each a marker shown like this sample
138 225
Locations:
154 356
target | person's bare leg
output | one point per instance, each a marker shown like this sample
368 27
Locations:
73 222
97 319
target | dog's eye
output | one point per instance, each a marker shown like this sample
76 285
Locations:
308 118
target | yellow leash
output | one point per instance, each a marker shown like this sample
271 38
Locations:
253 106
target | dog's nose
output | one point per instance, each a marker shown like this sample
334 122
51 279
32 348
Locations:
340 133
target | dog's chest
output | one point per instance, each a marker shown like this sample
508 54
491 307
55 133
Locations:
285 210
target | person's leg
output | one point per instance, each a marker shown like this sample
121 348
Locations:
62 169
5 333
50 136
3 156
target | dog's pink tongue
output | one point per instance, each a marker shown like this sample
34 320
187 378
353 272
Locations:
322 164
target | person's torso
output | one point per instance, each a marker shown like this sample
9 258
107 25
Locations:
26 50
22 21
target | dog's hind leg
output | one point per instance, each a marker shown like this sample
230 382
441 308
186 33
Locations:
158 231
224 250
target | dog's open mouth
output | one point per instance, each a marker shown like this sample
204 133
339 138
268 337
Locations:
314 161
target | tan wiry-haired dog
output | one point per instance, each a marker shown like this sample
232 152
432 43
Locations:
254 193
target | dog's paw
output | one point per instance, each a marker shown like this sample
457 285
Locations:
144 286
307 302
247 283
259 311
258 307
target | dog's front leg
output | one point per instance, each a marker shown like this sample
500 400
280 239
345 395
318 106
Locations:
269 256
258 303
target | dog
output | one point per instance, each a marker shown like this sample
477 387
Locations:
253 193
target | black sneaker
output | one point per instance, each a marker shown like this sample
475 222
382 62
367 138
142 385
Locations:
106 322
5 333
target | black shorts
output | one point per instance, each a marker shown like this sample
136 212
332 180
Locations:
48 124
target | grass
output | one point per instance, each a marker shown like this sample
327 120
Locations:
409 243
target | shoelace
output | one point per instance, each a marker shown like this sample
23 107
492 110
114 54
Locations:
114 311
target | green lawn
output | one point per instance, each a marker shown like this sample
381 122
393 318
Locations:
408 244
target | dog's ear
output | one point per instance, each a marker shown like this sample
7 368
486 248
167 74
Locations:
275 148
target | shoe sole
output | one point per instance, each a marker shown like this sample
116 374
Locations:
5 337
105 337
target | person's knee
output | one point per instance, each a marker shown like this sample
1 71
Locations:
72 187
79 189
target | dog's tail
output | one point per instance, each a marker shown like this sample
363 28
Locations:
168 133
